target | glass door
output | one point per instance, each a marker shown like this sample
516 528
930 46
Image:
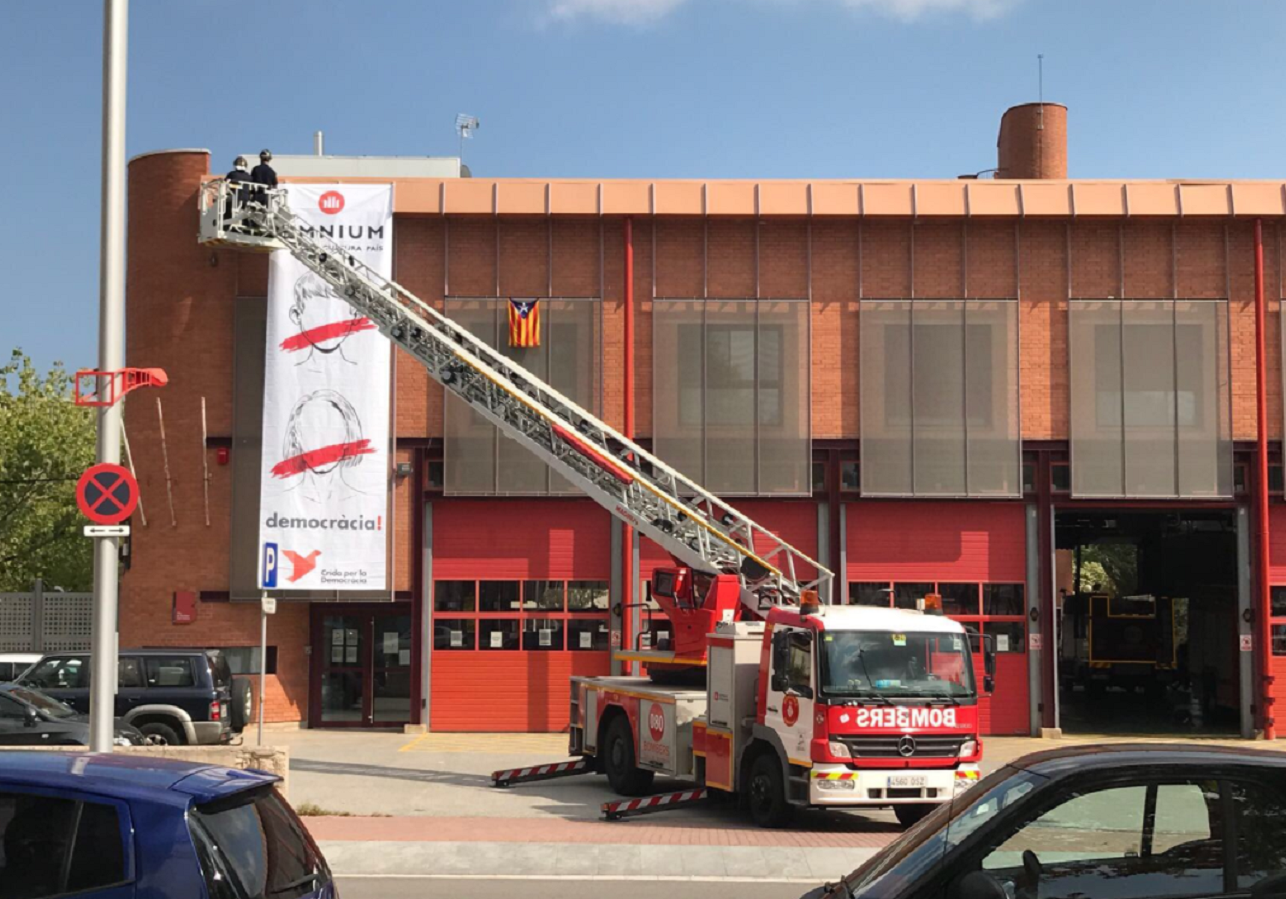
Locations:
345 665
391 669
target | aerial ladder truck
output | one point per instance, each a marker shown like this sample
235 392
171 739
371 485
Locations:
762 692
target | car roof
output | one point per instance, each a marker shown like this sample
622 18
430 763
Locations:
129 776
1060 762
149 651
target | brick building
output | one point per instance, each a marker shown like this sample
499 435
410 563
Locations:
992 390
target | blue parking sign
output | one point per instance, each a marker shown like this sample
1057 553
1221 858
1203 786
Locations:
269 579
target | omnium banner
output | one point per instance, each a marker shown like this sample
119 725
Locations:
324 490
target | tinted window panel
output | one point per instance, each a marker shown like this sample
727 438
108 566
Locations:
169 671
99 858
1261 838
259 847
37 837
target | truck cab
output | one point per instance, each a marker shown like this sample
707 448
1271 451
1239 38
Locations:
868 706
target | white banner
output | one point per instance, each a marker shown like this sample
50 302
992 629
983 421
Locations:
324 494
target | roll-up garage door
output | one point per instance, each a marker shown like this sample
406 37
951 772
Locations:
972 554
1277 589
520 604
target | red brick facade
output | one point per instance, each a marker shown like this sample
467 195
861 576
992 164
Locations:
180 318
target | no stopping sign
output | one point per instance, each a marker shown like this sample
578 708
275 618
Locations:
106 493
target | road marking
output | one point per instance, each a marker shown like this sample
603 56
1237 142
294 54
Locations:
661 878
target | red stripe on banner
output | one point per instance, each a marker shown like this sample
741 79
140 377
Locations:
305 339
327 455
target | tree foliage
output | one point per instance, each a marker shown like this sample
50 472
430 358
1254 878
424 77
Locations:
1110 568
46 442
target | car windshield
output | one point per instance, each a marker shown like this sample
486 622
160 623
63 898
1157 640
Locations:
47 705
254 847
923 665
923 848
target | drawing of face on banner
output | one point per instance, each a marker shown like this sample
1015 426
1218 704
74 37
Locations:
323 321
324 492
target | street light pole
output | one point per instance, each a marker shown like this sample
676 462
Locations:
111 352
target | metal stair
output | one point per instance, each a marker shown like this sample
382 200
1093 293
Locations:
694 526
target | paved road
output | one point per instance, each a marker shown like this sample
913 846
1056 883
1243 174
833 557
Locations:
453 888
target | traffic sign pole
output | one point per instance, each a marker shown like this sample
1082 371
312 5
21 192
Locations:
111 356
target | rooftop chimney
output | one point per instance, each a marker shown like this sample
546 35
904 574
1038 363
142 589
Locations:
1033 142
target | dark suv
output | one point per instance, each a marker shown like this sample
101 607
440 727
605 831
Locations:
174 696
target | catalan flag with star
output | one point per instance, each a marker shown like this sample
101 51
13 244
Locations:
524 323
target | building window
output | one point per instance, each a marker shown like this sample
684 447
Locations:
1002 614
477 460
245 659
532 616
730 397
1150 398
939 398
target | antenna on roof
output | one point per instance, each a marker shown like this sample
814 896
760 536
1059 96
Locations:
465 125
1040 89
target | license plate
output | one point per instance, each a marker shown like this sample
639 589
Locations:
907 780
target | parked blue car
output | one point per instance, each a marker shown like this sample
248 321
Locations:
131 827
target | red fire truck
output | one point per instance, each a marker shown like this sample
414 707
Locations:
826 706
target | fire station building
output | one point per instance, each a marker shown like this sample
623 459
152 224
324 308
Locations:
1035 398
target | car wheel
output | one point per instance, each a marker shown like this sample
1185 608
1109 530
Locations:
908 815
619 761
766 793
242 708
157 734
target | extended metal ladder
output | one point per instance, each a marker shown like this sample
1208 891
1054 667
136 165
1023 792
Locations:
693 525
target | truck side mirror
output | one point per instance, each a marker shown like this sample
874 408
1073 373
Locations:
30 718
989 655
780 656
988 684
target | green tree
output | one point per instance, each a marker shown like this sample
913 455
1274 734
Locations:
46 441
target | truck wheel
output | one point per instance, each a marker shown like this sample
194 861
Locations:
766 793
911 814
619 760
242 707
157 734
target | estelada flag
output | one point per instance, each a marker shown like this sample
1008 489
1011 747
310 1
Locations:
524 323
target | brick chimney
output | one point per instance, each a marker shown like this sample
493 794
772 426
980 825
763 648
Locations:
1033 142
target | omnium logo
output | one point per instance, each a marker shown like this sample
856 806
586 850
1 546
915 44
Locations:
331 202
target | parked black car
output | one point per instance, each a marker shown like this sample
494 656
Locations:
1180 821
174 696
30 718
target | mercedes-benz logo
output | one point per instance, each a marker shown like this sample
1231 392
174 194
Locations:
906 747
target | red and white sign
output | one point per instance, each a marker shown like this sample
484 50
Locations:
324 484
1247 642
656 722
106 493
906 717
790 710
331 202
1035 642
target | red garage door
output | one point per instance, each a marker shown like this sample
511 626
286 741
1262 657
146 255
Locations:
520 604
794 521
1277 587
974 556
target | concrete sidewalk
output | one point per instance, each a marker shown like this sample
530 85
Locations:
425 804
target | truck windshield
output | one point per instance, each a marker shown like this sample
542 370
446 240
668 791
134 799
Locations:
911 665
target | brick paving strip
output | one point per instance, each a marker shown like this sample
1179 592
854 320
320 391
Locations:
527 830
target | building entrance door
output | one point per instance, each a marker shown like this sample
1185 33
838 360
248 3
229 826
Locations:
362 666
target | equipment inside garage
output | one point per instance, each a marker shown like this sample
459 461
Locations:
1147 621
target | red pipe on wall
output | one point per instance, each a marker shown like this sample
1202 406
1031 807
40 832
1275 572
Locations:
1261 497
627 541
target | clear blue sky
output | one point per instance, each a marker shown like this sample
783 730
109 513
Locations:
624 88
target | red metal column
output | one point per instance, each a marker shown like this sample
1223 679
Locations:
627 536
1261 497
